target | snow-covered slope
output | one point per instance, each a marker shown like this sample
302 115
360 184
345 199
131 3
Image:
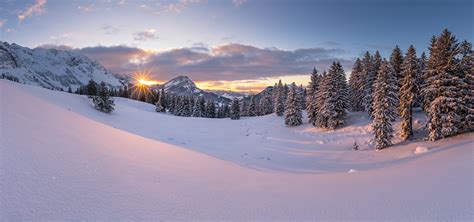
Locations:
63 160
184 86
51 68
229 94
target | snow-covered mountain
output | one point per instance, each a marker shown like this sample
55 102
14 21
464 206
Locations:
184 86
229 94
51 68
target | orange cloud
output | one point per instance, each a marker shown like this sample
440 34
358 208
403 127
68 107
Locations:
35 9
252 85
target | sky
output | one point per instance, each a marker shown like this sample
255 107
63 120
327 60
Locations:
241 45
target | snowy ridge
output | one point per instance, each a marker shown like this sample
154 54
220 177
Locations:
51 68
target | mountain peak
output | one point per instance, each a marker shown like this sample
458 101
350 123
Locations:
51 68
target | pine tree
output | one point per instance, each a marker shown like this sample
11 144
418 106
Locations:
161 103
235 109
69 90
265 106
252 110
210 109
376 62
293 116
91 88
385 100
419 80
396 60
408 90
311 103
179 105
301 97
466 67
279 100
244 107
357 86
226 111
334 98
320 98
370 75
102 100
172 104
199 107
445 89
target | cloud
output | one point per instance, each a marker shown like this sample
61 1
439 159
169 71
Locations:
149 34
171 6
238 3
110 30
86 8
32 10
3 22
229 62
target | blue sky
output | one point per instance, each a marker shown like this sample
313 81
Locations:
315 32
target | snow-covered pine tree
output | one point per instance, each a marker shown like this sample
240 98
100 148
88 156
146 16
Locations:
370 75
211 109
445 89
301 97
334 98
293 115
279 104
396 60
252 111
199 107
179 106
376 62
311 103
408 90
226 111
385 100
102 100
320 99
265 106
419 80
161 103
172 104
235 109
357 86
467 68
244 107
91 88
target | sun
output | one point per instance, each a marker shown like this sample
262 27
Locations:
146 82
142 85
142 78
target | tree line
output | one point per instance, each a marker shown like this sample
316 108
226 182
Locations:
441 85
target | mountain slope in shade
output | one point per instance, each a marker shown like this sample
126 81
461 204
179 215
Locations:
229 94
184 86
51 68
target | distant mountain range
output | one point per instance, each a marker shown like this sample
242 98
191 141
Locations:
52 68
59 70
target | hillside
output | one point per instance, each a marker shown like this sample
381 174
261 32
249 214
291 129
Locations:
61 159
51 68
